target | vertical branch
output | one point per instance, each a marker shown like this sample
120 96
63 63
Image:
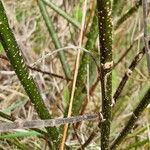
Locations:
147 50
105 40
14 54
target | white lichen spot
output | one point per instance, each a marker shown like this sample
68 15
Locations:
140 56
129 72
109 13
20 54
22 61
101 117
29 77
30 74
23 65
112 102
108 65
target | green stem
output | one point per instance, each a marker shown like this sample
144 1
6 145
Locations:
80 91
54 37
16 59
130 124
62 13
105 40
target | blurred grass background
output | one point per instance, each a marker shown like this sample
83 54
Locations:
34 40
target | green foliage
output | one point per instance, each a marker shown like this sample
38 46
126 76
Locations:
118 7
19 135
19 15
80 91
66 96
14 106
1 48
77 12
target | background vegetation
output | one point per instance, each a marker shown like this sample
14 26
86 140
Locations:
50 37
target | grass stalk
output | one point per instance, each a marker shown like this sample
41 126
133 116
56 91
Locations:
62 13
105 40
130 124
54 37
80 91
16 59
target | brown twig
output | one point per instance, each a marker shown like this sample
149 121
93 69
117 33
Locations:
87 142
128 73
124 54
3 115
39 70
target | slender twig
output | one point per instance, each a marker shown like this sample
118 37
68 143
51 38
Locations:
39 70
20 124
128 73
48 73
11 118
54 37
130 124
87 142
75 77
147 50
76 134
105 41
